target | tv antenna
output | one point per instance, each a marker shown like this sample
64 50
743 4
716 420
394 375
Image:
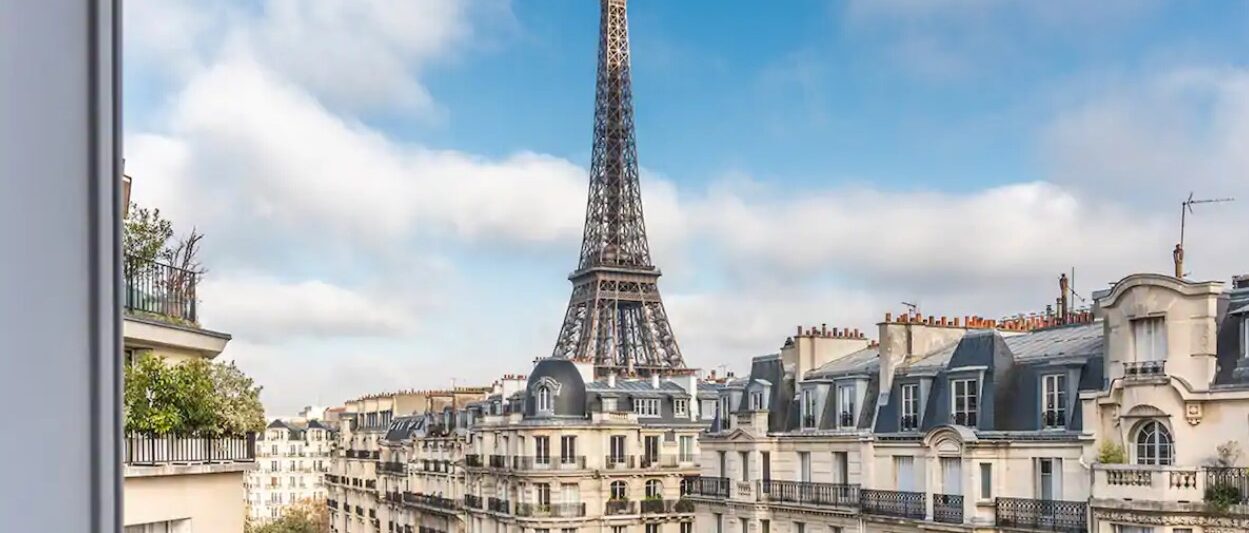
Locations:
913 307
1186 207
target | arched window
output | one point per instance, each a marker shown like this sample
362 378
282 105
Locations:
544 399
654 488
1154 445
619 490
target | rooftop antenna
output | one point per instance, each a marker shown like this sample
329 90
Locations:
1186 207
913 307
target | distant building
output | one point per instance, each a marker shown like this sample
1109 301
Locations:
980 425
292 458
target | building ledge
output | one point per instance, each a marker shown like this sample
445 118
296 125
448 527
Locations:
157 333
137 471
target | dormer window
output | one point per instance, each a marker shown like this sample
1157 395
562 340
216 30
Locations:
609 405
1244 337
909 420
681 407
845 406
646 406
1054 401
808 408
543 398
965 401
756 401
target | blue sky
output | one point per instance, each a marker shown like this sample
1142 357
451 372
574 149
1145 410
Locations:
393 193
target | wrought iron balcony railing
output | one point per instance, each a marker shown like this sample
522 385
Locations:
658 461
619 462
472 501
947 508
554 510
846 419
1053 418
1043 515
809 493
1144 369
430 501
711 487
808 421
619 507
394 468
160 289
473 460
1233 478
893 503
498 505
148 450
965 419
498 461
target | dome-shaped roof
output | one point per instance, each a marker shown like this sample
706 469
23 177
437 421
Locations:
562 381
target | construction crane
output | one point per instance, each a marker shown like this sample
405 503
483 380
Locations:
1186 207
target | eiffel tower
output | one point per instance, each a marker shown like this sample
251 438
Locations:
615 317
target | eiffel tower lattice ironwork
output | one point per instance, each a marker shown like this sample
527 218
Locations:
615 317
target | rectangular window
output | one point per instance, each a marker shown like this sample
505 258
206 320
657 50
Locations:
1049 479
800 527
904 473
1054 401
1149 336
650 448
745 457
686 448
652 528
724 467
570 493
1244 337
804 467
745 524
841 468
718 519
910 408
708 409
952 475
808 408
543 494
609 405
542 449
765 526
617 448
986 481
845 404
687 527
965 400
646 406
681 407
756 401
568 449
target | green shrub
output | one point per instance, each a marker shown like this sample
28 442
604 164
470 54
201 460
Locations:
1221 497
1111 454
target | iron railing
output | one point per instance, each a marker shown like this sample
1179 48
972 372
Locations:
712 487
658 461
472 460
619 462
619 507
554 510
147 450
1234 477
498 461
1046 515
965 419
947 508
893 503
392 468
1144 369
430 500
160 289
1053 418
847 419
908 423
809 493
497 505
472 501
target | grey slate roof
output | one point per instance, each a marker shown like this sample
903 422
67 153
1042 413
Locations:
865 361
1083 340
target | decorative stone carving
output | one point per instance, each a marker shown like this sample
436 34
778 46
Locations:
1211 523
1192 412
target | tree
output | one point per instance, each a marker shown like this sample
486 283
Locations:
196 397
240 409
304 516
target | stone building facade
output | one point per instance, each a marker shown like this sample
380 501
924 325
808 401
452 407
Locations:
292 458
1011 425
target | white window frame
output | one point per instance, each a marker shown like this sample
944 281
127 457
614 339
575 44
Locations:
685 446
809 409
1163 453
542 398
846 399
1244 337
1054 399
756 401
647 407
910 405
542 449
1149 339
567 448
963 393
681 407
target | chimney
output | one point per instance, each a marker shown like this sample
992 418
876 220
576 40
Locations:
1064 300
1178 256
654 381
611 380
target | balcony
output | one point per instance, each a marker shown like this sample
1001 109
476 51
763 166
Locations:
1144 369
947 508
498 461
619 462
846 420
1053 419
472 501
548 463
710 487
473 460
393 468
158 289
430 501
1148 482
965 419
557 510
158 450
893 503
658 461
496 505
808 493
1041 515
619 507
1229 479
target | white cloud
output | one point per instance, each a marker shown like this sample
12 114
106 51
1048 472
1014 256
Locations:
262 309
